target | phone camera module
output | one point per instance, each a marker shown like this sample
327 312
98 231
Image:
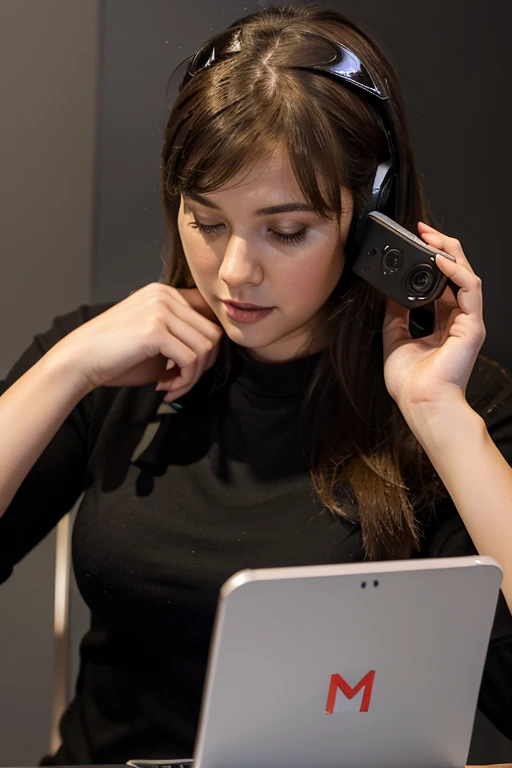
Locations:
392 260
420 280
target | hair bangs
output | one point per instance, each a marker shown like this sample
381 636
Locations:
219 139
315 152
262 97
224 134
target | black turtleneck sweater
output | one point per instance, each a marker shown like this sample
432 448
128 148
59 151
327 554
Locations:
175 502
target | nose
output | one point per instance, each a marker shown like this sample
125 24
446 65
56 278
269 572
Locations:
238 266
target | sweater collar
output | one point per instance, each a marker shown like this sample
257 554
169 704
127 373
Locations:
283 379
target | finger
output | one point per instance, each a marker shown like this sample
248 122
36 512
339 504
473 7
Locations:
395 328
183 347
171 372
435 239
175 306
175 379
196 300
448 298
173 348
181 378
190 315
175 299
189 370
446 309
469 296
177 390
171 397
186 378
190 336
201 346
395 314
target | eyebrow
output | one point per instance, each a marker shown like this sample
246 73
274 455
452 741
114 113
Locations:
268 211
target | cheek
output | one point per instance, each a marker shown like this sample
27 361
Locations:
311 283
199 256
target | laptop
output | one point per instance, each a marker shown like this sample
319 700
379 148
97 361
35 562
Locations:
363 665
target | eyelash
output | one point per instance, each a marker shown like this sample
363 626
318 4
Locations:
292 239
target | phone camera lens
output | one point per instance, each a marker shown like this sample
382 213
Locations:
420 280
392 259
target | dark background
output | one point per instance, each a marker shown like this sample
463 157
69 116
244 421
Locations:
84 109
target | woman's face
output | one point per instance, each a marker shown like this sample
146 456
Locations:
244 243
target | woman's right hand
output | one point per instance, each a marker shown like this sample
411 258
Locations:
157 334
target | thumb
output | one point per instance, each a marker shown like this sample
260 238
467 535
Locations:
396 316
395 328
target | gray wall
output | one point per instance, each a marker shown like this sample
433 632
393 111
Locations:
48 82
81 219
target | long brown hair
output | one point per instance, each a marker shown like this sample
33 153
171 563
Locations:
363 459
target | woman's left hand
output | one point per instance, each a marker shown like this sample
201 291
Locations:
436 368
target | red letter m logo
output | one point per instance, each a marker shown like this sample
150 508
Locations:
338 682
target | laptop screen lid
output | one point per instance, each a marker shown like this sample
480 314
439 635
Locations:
365 665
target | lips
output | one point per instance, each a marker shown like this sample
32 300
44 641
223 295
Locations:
246 313
239 305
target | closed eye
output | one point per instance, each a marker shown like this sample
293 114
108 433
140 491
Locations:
287 239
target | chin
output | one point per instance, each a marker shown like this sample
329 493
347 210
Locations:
268 347
249 337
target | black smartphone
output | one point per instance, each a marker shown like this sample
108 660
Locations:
399 264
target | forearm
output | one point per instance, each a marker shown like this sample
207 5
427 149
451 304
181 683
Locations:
31 412
475 474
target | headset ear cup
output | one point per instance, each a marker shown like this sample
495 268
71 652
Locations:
383 200
386 202
354 236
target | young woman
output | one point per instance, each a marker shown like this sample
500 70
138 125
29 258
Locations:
310 427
